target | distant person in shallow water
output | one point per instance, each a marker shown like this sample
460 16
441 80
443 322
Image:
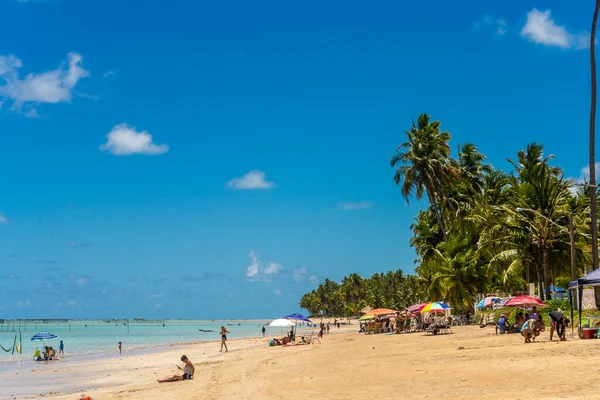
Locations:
264 331
61 348
188 372
224 333
120 346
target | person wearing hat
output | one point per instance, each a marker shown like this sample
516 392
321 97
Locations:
559 324
502 324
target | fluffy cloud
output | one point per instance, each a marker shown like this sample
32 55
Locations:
107 74
277 292
55 86
272 268
300 274
252 180
350 206
313 279
257 272
124 140
3 220
498 25
540 28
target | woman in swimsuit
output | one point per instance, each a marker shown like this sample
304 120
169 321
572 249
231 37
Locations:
224 333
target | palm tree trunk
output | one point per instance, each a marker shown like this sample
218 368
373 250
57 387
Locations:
539 281
438 212
545 256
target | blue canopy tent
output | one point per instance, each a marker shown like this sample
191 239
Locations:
591 279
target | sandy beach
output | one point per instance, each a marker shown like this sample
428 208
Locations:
473 363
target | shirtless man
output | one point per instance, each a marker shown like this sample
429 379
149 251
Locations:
188 371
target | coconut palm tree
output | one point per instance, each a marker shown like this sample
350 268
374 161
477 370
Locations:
593 208
423 165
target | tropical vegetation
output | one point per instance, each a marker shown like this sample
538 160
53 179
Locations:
484 230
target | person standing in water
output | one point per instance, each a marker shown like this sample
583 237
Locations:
224 333
264 331
61 348
120 345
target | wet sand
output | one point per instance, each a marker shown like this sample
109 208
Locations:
473 363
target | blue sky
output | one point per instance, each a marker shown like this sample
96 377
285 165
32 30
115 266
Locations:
218 159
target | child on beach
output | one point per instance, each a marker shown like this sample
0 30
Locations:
61 348
120 345
224 333
528 330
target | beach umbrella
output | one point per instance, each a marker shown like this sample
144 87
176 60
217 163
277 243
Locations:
282 322
434 308
415 307
525 302
488 302
366 310
297 317
44 336
366 317
382 311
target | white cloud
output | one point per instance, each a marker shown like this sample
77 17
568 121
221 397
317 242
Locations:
277 292
498 25
350 206
540 28
3 220
272 268
254 179
300 274
54 86
313 279
257 272
81 281
253 268
584 173
124 140
107 74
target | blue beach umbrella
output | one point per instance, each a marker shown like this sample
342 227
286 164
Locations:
44 336
297 317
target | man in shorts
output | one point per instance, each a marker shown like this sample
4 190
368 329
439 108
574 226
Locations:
559 324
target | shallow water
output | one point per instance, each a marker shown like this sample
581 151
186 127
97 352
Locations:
99 338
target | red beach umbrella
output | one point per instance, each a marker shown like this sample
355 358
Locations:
525 302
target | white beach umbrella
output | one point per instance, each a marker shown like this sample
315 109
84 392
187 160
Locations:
282 322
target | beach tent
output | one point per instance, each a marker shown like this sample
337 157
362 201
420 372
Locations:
591 279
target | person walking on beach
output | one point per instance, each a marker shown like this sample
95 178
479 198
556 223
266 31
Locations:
264 331
224 333
328 328
188 371
61 348
120 345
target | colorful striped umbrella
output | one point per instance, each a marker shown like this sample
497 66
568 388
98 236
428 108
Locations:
434 308
44 336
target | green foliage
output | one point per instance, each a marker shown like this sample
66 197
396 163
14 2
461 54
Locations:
385 290
471 240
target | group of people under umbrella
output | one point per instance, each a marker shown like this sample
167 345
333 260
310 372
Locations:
530 324
290 321
431 317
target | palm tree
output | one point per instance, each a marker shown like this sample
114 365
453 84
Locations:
472 168
423 165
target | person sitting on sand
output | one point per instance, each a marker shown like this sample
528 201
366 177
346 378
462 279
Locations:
37 355
527 330
188 372
502 325
519 321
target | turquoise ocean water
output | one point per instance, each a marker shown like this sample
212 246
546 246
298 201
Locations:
100 338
